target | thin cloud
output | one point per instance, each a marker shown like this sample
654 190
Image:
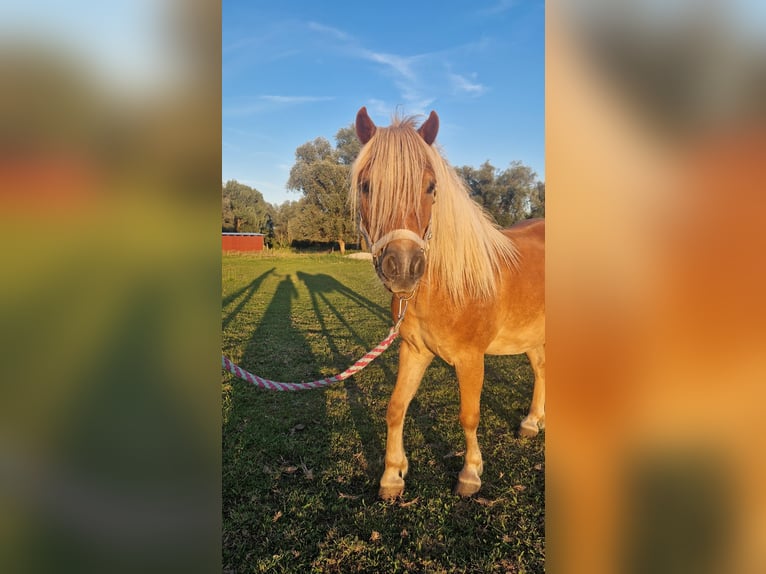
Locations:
329 30
419 78
464 85
399 64
409 82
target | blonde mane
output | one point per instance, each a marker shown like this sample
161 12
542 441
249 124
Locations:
467 250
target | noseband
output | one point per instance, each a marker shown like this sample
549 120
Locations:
380 244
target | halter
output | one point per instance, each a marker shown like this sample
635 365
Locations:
380 244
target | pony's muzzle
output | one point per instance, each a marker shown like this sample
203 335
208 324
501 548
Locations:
401 265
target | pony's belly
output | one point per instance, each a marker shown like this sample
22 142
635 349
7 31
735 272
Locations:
514 343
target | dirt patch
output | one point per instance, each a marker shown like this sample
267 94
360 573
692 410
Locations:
360 255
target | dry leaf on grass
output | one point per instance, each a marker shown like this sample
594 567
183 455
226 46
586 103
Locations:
410 503
454 454
485 501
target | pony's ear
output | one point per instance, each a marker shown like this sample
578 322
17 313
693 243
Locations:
430 128
365 129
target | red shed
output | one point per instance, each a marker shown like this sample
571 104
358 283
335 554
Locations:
242 241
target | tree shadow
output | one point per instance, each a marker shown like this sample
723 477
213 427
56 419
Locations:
248 291
320 284
276 340
372 434
259 436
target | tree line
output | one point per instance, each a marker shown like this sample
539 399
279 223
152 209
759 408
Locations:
322 215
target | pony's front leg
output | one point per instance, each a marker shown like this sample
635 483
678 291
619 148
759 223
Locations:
412 365
470 376
535 420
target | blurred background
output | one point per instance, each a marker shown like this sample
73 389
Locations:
110 291
656 171
110 138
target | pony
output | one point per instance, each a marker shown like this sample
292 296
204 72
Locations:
461 288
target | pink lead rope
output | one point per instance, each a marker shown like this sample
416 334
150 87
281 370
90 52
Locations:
277 386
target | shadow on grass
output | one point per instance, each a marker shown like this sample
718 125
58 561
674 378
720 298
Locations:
248 291
271 439
319 285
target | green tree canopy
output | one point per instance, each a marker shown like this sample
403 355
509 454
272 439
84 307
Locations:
347 145
321 174
286 223
243 208
509 195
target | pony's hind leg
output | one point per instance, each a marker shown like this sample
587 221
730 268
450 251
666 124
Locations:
470 374
535 420
412 365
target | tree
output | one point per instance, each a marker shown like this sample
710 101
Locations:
482 186
321 173
286 222
538 200
509 195
517 185
347 145
270 235
243 208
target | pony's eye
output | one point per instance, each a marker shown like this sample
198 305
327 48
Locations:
431 187
364 187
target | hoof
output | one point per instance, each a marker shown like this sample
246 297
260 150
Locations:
390 492
528 430
466 489
392 484
468 481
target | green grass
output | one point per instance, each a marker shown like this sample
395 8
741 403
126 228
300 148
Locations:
301 470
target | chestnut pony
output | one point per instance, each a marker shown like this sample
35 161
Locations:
464 287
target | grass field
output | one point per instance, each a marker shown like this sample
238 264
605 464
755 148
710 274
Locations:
301 470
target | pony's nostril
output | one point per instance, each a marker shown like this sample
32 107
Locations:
388 266
418 265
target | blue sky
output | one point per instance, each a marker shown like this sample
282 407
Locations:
296 70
